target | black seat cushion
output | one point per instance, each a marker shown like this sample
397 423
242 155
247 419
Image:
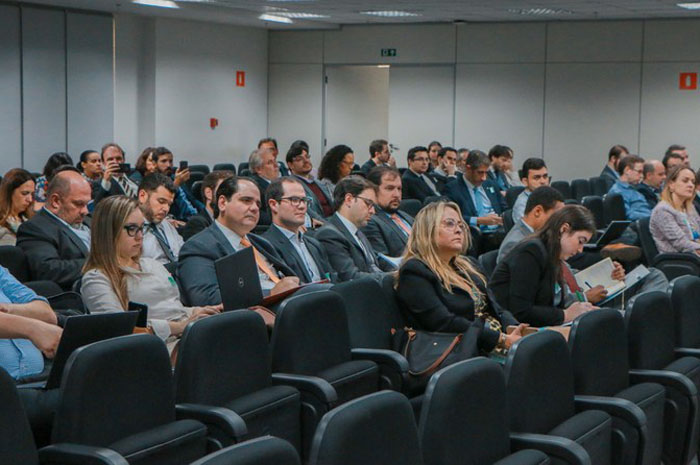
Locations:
352 379
524 457
688 366
642 394
591 429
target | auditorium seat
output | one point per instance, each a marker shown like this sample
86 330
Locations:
540 386
487 261
13 258
197 190
194 177
265 450
672 265
377 429
653 358
563 188
464 418
580 188
225 167
242 166
512 195
685 298
508 222
434 198
595 204
199 169
613 208
238 377
598 345
118 393
410 206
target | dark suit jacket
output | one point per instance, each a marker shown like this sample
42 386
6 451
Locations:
457 191
262 184
498 179
53 252
195 224
386 236
367 166
696 202
431 307
649 194
609 173
345 255
523 282
285 249
414 187
196 264
99 193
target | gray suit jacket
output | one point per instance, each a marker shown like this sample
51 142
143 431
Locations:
517 233
196 264
315 210
285 249
386 236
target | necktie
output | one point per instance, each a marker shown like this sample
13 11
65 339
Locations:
367 250
478 202
126 186
260 261
303 247
430 184
163 242
400 223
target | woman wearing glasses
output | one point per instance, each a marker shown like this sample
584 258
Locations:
441 289
336 164
116 274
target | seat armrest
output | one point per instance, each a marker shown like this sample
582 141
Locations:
554 446
76 454
382 357
677 256
615 407
664 378
681 352
217 420
309 385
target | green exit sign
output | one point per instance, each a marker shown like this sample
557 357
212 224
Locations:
388 52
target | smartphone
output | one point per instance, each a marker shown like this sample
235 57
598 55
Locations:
183 165
125 168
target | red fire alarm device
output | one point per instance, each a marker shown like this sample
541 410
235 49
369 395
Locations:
213 123
688 81
240 78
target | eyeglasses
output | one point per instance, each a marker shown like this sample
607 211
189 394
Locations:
303 156
421 159
133 229
452 225
348 163
295 201
368 202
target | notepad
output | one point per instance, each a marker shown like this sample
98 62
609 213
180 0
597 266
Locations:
600 274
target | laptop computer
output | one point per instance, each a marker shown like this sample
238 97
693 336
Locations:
238 278
612 232
81 330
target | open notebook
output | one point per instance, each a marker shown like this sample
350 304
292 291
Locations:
600 274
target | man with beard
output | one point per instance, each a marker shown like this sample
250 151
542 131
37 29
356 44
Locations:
379 156
161 240
184 205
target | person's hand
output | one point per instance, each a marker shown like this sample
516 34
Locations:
290 282
181 176
490 220
596 294
577 309
45 337
201 312
515 335
5 308
111 169
618 273
175 222
392 161
316 223
450 169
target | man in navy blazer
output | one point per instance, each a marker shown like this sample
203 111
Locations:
418 183
237 212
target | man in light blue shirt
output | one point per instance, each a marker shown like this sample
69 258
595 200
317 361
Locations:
630 169
533 175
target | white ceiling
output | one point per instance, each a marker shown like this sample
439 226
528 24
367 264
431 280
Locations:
246 12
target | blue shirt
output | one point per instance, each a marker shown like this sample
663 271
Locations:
483 201
19 357
636 206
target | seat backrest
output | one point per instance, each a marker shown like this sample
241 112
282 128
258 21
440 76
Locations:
580 188
563 187
16 440
595 204
599 186
433 198
647 240
265 450
197 190
221 358
245 172
512 195
13 258
376 429
650 335
411 206
225 167
310 334
488 261
685 302
598 346
369 313
113 389
243 166
477 422
540 383
44 288
508 222
194 177
396 317
199 168
613 208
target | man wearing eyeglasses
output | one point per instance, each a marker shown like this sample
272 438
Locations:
349 251
288 204
417 182
161 240
299 163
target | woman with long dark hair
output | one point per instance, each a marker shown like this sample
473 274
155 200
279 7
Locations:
54 161
16 203
336 164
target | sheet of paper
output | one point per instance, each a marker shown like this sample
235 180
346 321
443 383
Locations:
599 274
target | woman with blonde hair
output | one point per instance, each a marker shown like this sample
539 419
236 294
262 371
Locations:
116 273
674 223
441 289
16 203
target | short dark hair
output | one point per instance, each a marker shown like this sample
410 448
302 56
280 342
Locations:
267 139
377 145
158 152
413 150
295 150
153 181
83 159
55 160
668 156
629 160
500 151
276 188
210 181
477 158
430 145
108 145
674 148
376 174
353 185
443 151
616 151
545 196
227 188
648 168
531 164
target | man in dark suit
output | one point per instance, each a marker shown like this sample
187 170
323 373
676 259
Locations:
288 203
501 157
56 240
348 249
614 155
113 181
480 201
270 144
654 176
204 219
237 212
417 182
379 156
389 227
299 163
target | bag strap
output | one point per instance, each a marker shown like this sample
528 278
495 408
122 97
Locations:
440 359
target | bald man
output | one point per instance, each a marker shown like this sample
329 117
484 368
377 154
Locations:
654 176
56 240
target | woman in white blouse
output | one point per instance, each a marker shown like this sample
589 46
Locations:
116 274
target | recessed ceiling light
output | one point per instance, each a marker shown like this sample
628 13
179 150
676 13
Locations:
299 15
689 6
390 13
540 11
275 19
158 3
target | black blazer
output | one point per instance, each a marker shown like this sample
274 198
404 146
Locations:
414 187
54 253
649 194
457 191
609 173
523 282
367 166
196 224
429 306
285 249
196 264
99 193
386 236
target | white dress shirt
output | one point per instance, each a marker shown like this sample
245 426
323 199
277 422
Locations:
303 251
151 246
82 231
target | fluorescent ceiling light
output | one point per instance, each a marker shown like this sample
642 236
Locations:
390 13
275 19
540 11
383 66
158 3
299 15
689 6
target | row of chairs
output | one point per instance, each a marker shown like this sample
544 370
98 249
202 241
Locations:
580 188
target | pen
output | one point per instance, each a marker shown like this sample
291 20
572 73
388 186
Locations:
588 284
